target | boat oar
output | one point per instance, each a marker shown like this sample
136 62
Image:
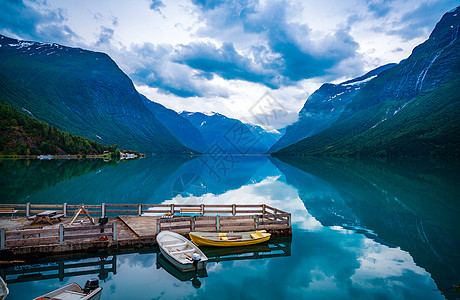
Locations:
188 256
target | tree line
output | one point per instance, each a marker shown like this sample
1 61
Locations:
24 135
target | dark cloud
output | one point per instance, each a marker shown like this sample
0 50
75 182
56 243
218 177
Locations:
224 61
156 68
290 53
156 5
26 22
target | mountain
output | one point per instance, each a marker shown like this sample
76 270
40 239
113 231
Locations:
80 92
412 109
324 107
179 126
24 135
227 135
409 203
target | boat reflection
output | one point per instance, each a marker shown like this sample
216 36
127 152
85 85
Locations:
276 247
192 275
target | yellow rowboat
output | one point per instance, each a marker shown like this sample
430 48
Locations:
221 239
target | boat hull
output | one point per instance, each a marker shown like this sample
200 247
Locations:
72 291
178 250
183 267
201 239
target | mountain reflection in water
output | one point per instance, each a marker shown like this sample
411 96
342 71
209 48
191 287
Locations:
361 228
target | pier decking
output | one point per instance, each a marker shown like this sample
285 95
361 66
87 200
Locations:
128 226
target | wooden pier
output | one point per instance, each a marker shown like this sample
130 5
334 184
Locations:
128 225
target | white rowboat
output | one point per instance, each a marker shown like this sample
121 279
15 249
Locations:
3 289
73 291
182 253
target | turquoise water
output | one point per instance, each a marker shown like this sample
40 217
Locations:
361 229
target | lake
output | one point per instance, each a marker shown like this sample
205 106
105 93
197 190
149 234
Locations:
362 229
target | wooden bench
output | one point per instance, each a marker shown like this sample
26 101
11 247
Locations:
191 210
58 217
11 211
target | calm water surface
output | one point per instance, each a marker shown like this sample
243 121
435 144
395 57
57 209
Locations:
361 229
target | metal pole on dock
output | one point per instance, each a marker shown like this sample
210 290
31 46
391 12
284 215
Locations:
103 210
61 234
64 209
28 209
2 234
140 209
158 226
217 223
114 231
192 224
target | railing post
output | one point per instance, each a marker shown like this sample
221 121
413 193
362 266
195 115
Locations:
103 210
114 265
217 223
289 220
158 226
61 234
233 209
61 271
275 217
139 209
64 209
2 238
28 209
114 231
202 209
264 208
192 224
172 209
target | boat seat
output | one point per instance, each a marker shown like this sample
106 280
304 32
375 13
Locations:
183 251
257 235
175 245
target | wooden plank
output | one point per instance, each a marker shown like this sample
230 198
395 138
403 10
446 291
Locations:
45 205
87 227
108 205
238 217
248 211
31 231
142 226
15 205
172 227
147 211
273 222
39 241
86 236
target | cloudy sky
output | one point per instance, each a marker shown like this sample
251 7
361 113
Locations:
224 56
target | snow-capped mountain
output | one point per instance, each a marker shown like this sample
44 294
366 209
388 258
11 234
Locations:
227 135
324 107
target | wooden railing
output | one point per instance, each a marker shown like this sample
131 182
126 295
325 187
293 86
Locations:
41 236
102 210
228 217
211 216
